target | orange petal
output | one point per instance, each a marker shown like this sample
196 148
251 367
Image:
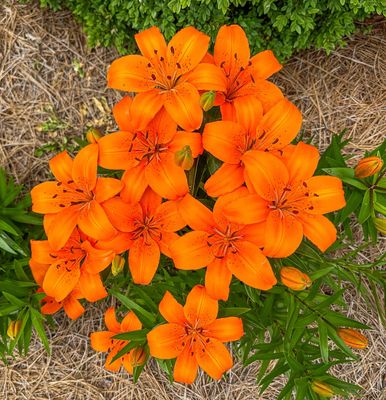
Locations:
268 175
217 280
106 188
226 179
47 198
165 341
302 162
264 64
171 310
114 151
183 105
60 279
135 184
225 140
249 113
254 233
150 201
191 139
279 126
131 323
318 229
120 243
223 202
283 234
84 170
92 286
50 306
61 226
93 222
131 74
111 365
38 271
214 358
162 128
248 209
195 214
145 106
41 252
250 266
231 49
170 217
123 215
61 167
226 329
144 258
101 341
191 251
326 194
200 309
166 178
111 321
267 93
167 239
186 49
228 111
207 77
186 367
73 308
121 113
151 43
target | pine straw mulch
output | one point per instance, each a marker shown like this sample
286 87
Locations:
52 87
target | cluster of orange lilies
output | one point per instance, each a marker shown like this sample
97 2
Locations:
267 197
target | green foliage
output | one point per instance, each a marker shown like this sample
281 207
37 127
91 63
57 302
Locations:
18 298
283 26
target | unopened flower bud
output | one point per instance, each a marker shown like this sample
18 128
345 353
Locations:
137 356
368 166
380 225
117 265
184 158
322 389
93 135
353 338
207 100
13 329
294 278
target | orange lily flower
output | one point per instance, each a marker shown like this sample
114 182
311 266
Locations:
103 341
148 156
75 197
229 141
194 336
160 76
71 304
288 199
223 246
151 226
77 264
245 76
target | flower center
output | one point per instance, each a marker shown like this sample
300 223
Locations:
147 147
223 241
148 228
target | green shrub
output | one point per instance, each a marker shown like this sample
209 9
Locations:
283 26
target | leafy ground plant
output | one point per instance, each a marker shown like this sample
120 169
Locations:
212 221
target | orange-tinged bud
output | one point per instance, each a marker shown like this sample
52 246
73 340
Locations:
294 278
353 338
13 329
137 356
368 166
93 135
184 158
207 100
322 389
117 265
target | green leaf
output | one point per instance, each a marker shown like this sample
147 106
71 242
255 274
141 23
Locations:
323 340
233 311
321 272
352 204
13 299
37 323
146 316
365 210
347 176
139 335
